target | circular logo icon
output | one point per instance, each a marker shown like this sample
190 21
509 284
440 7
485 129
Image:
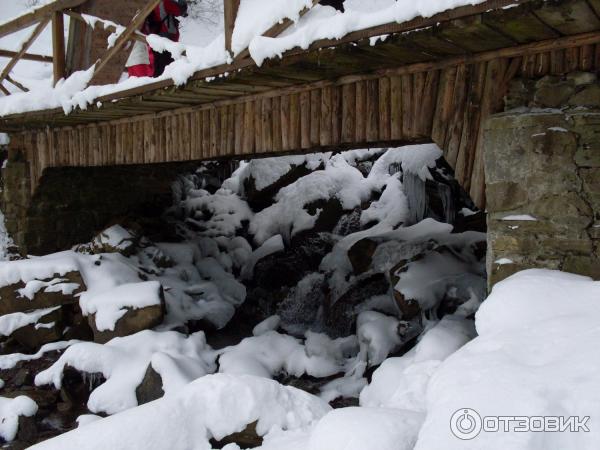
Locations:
466 424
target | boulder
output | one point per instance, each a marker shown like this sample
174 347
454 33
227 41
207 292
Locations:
361 255
151 387
41 293
115 239
49 328
247 438
133 321
341 314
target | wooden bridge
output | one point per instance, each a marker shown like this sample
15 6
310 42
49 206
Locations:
431 79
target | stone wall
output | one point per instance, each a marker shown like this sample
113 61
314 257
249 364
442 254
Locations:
71 205
543 178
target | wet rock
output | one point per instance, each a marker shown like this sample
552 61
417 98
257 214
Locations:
301 310
330 212
361 255
151 387
247 438
340 315
49 292
115 239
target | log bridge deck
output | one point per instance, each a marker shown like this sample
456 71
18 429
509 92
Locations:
433 79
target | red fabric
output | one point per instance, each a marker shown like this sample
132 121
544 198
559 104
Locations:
172 9
143 70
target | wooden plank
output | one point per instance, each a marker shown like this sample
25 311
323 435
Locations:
472 118
326 126
429 101
569 16
520 24
396 108
454 133
249 139
58 46
285 122
315 118
348 113
206 133
407 106
372 113
26 56
239 129
384 109
443 107
360 124
305 119
417 104
36 15
294 120
267 124
230 9
336 115
276 125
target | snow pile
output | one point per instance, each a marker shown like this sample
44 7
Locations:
109 306
366 428
10 411
46 267
214 406
536 355
402 382
272 353
10 361
123 362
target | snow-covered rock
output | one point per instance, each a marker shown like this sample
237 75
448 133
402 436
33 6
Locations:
11 409
178 359
214 406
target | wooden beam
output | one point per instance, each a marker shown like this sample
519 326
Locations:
36 15
58 45
15 59
27 56
4 90
17 84
137 35
125 36
230 8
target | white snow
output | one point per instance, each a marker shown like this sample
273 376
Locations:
378 336
269 324
10 411
123 362
272 245
10 361
56 285
504 261
520 218
110 305
536 355
366 428
11 322
25 270
212 406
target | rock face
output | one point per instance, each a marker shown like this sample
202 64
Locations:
45 293
542 180
151 387
133 321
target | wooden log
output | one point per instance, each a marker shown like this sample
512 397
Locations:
315 118
384 109
285 122
304 120
396 121
294 130
326 126
26 56
372 111
230 9
277 132
360 124
348 113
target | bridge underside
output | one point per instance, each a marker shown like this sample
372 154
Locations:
437 82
